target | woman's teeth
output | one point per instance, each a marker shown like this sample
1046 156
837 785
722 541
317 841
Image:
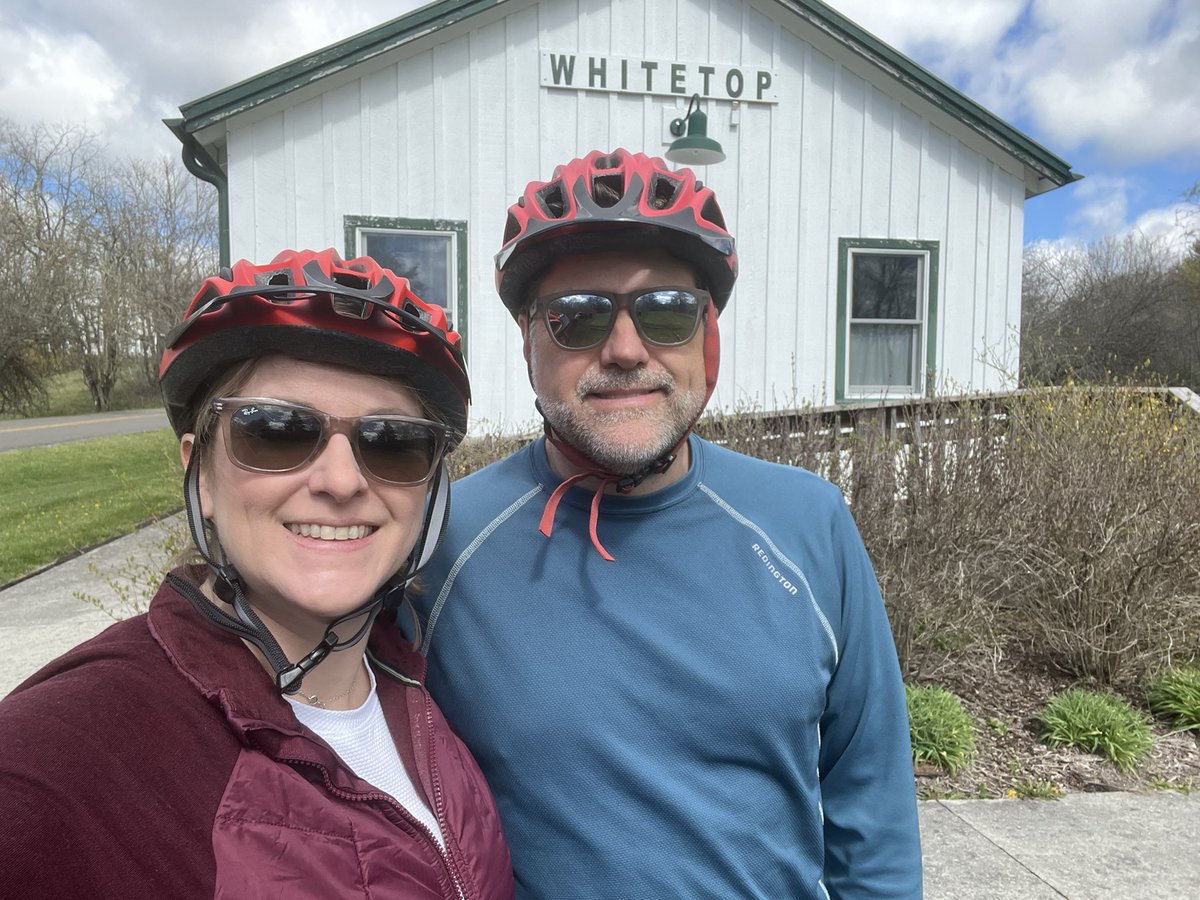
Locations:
331 532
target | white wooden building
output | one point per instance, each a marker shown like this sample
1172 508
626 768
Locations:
878 211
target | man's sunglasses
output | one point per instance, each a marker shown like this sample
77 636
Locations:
275 436
663 316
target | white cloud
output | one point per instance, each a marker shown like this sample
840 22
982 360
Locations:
1109 74
119 69
60 79
1103 206
949 37
1167 225
1119 76
1103 211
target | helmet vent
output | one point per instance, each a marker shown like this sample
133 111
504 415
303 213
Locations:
273 279
350 309
607 190
552 200
345 279
608 162
712 213
663 192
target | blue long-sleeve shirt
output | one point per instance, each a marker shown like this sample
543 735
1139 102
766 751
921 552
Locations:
718 713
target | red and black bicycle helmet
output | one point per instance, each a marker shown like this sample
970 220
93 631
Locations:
614 201
317 307
320 308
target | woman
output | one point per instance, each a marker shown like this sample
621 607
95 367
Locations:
245 738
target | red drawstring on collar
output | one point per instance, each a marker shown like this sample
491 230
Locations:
546 526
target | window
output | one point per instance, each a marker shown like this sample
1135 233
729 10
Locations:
430 253
887 316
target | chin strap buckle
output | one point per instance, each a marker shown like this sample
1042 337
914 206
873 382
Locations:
629 482
289 680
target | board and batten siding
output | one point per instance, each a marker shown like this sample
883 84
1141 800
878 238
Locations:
453 127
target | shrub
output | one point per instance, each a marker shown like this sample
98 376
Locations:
1103 528
1099 723
1175 696
940 729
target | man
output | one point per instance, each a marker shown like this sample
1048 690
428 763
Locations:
685 686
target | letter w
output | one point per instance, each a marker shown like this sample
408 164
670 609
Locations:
560 65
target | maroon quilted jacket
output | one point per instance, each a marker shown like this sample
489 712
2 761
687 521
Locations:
130 768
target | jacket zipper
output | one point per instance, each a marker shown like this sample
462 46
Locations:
408 817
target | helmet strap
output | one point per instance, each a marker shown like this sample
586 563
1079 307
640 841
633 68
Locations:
246 623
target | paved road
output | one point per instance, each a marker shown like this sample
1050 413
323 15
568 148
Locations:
17 433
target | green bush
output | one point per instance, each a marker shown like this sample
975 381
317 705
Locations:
940 729
1099 723
1175 696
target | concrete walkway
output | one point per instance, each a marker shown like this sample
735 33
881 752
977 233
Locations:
1083 846
43 617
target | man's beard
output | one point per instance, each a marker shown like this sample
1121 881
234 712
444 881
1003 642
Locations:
598 435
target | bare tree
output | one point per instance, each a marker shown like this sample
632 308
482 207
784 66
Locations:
42 200
96 259
1110 307
175 244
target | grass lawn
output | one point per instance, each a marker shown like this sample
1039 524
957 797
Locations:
57 500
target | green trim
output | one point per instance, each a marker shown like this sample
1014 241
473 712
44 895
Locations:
351 224
304 70
929 335
237 98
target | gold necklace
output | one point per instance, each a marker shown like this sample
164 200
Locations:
314 700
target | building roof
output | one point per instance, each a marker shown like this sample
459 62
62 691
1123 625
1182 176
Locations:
228 102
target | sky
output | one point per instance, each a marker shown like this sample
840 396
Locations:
1110 86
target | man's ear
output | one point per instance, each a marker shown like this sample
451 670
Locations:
187 446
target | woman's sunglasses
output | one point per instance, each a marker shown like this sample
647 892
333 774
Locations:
275 436
663 316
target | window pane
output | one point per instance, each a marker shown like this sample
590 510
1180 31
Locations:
424 259
883 356
885 286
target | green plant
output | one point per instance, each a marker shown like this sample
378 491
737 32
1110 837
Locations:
940 729
1184 786
1174 695
128 590
1035 789
1099 723
1000 727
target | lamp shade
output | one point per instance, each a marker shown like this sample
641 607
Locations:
695 148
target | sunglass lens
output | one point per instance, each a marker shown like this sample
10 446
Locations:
667 317
398 451
578 321
272 438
